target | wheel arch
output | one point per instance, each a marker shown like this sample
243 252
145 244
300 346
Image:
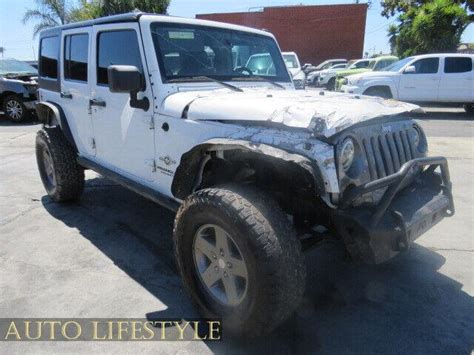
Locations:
233 159
52 115
381 86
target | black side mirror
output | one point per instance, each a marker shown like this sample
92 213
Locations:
127 78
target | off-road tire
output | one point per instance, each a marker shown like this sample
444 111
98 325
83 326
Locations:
383 92
8 100
469 108
68 174
268 242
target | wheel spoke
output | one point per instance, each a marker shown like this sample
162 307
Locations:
222 242
230 289
206 248
211 275
238 268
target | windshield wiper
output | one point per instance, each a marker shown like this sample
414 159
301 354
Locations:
261 78
207 78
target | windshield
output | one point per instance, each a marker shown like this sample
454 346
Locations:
13 66
187 52
290 61
398 65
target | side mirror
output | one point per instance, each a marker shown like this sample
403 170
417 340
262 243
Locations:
410 69
127 78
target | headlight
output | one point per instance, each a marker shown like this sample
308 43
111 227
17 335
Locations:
347 154
322 75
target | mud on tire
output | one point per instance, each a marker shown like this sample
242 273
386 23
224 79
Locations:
62 176
268 244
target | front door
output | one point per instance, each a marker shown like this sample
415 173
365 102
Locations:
124 136
423 84
75 86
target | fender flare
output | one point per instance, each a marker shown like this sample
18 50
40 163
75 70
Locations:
190 168
51 114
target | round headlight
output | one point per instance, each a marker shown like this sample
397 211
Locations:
347 154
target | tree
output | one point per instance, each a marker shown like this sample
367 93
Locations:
426 26
112 7
51 13
48 13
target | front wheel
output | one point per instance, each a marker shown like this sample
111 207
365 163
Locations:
239 258
14 108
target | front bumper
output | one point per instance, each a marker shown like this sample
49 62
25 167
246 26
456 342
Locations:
351 89
30 105
413 203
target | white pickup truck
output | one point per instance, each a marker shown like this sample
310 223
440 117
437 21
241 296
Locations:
443 78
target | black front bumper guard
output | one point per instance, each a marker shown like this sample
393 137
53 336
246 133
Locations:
417 198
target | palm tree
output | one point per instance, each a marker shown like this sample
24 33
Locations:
48 13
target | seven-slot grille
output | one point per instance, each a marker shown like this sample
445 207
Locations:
387 152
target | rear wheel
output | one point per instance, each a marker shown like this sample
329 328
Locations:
239 258
14 108
62 176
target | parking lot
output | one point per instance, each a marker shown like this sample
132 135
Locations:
110 255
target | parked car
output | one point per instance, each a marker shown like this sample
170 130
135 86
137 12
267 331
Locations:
314 78
376 64
443 78
293 64
325 65
257 171
18 85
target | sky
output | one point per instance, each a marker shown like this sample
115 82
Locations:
18 41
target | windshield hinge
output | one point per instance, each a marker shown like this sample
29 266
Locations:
149 121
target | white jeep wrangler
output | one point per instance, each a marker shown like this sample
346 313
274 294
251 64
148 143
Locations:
257 171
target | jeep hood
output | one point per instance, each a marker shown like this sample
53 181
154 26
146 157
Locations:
324 115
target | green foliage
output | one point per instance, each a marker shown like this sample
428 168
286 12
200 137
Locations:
51 13
426 26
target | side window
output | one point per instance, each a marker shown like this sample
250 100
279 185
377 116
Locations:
76 49
49 52
427 66
119 48
457 64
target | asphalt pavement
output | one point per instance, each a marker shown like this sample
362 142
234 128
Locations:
110 255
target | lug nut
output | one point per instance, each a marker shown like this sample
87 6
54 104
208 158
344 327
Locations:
216 268
229 265
225 274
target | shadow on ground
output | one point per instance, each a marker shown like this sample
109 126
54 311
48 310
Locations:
405 305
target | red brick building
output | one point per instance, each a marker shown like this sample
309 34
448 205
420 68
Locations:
315 33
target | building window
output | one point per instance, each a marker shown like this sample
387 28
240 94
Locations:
117 48
49 52
457 65
76 49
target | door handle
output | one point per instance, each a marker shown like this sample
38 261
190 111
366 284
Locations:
66 95
94 102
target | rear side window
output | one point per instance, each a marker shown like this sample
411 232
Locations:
76 48
457 64
119 48
49 53
427 66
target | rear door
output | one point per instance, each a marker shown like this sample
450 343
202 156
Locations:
124 135
423 84
75 86
457 80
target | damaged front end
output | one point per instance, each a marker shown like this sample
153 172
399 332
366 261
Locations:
392 193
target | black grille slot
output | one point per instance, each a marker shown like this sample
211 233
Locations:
386 153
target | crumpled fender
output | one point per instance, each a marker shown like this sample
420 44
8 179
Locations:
190 167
